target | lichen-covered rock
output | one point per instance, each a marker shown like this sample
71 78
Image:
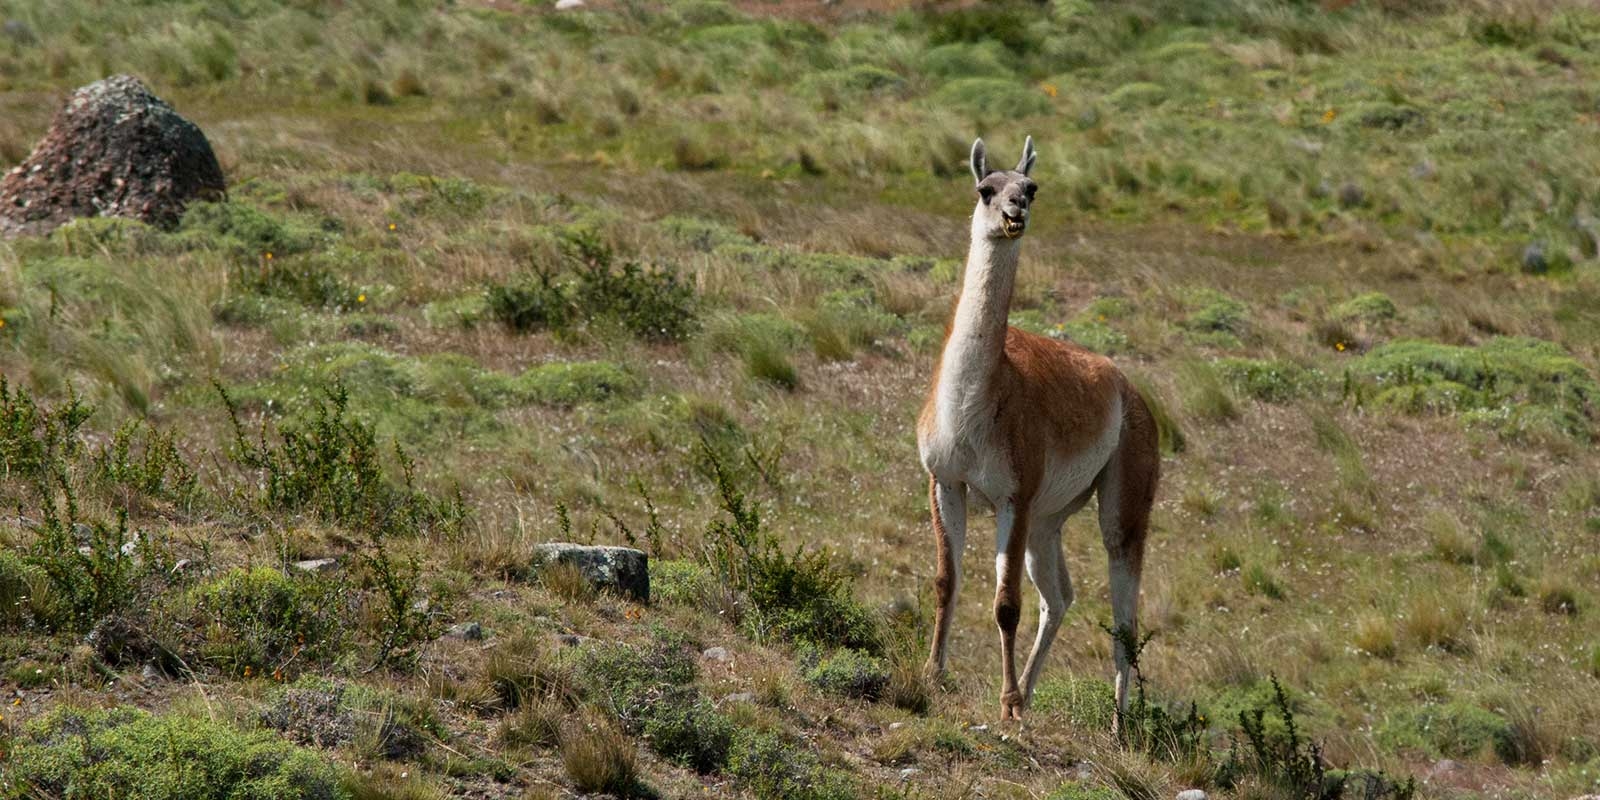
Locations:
622 569
115 150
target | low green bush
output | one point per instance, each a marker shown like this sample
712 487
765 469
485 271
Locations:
1269 381
1370 308
769 766
1507 375
125 752
649 689
259 619
1455 729
848 673
569 384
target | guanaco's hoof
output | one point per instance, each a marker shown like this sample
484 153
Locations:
1011 706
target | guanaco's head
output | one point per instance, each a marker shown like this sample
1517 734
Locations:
1004 196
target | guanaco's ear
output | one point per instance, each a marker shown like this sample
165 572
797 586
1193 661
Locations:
1028 155
980 167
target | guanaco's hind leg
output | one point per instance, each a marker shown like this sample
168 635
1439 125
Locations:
1127 492
949 505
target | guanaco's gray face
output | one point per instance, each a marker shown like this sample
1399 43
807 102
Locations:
1004 196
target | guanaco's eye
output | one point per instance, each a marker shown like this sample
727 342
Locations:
1031 190
986 192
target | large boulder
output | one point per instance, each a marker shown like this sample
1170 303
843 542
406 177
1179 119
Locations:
115 150
620 569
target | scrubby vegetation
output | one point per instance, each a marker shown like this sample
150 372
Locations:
490 275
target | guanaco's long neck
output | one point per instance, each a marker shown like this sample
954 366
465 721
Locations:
978 333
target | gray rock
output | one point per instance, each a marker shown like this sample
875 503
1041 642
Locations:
1191 794
894 726
739 697
905 774
718 654
569 5
316 565
469 631
620 569
18 31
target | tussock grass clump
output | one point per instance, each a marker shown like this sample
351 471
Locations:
599 759
1204 395
1375 636
1433 619
125 752
1370 308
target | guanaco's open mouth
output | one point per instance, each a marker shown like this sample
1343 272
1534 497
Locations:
1011 226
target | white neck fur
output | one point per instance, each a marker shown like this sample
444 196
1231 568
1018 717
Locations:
977 336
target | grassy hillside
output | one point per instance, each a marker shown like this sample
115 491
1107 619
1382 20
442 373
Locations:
675 275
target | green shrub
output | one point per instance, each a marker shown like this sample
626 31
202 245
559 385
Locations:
1085 702
126 752
88 580
992 97
1091 333
1267 381
966 60
36 442
330 465
849 673
1504 374
680 583
1370 308
798 596
768 766
244 232
686 729
1449 730
1077 790
309 282
650 691
260 619
1215 312
533 303
569 384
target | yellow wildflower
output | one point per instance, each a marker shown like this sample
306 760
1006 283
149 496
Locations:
1050 89
1327 116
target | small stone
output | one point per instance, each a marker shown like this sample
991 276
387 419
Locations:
569 5
894 726
739 697
905 774
182 566
979 728
150 673
1351 195
570 639
1191 794
468 631
1445 765
316 565
717 654
130 547
1533 259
